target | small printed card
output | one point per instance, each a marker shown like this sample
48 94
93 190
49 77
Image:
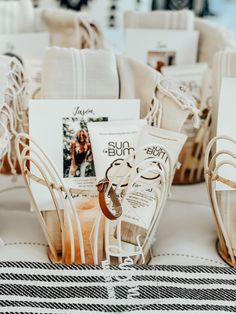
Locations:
24 45
226 126
193 77
140 207
160 48
60 128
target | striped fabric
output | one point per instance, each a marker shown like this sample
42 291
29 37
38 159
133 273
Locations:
46 288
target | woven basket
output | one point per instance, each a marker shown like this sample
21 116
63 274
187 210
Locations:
193 152
13 109
211 40
76 229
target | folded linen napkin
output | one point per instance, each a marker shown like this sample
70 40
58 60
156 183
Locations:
16 16
212 38
65 289
178 20
68 28
71 73
137 80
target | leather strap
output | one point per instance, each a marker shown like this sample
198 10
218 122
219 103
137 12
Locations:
102 188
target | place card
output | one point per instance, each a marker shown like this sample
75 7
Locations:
60 128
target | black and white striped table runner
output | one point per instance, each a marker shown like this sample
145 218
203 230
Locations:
46 288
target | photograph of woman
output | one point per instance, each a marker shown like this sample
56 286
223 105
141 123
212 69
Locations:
77 152
80 154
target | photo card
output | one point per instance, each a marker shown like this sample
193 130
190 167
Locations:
162 47
77 150
65 137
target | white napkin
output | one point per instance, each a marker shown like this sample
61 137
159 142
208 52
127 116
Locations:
71 73
68 28
179 20
212 38
16 16
137 80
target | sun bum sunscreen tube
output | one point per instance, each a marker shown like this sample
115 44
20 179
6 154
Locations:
141 205
111 143
172 141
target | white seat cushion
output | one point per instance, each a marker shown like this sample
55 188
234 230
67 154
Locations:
187 234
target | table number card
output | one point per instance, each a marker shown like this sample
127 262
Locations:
160 48
58 127
226 125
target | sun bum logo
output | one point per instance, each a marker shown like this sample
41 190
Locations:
118 149
156 151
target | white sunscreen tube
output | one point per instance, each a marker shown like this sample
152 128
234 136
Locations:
172 141
111 143
143 206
